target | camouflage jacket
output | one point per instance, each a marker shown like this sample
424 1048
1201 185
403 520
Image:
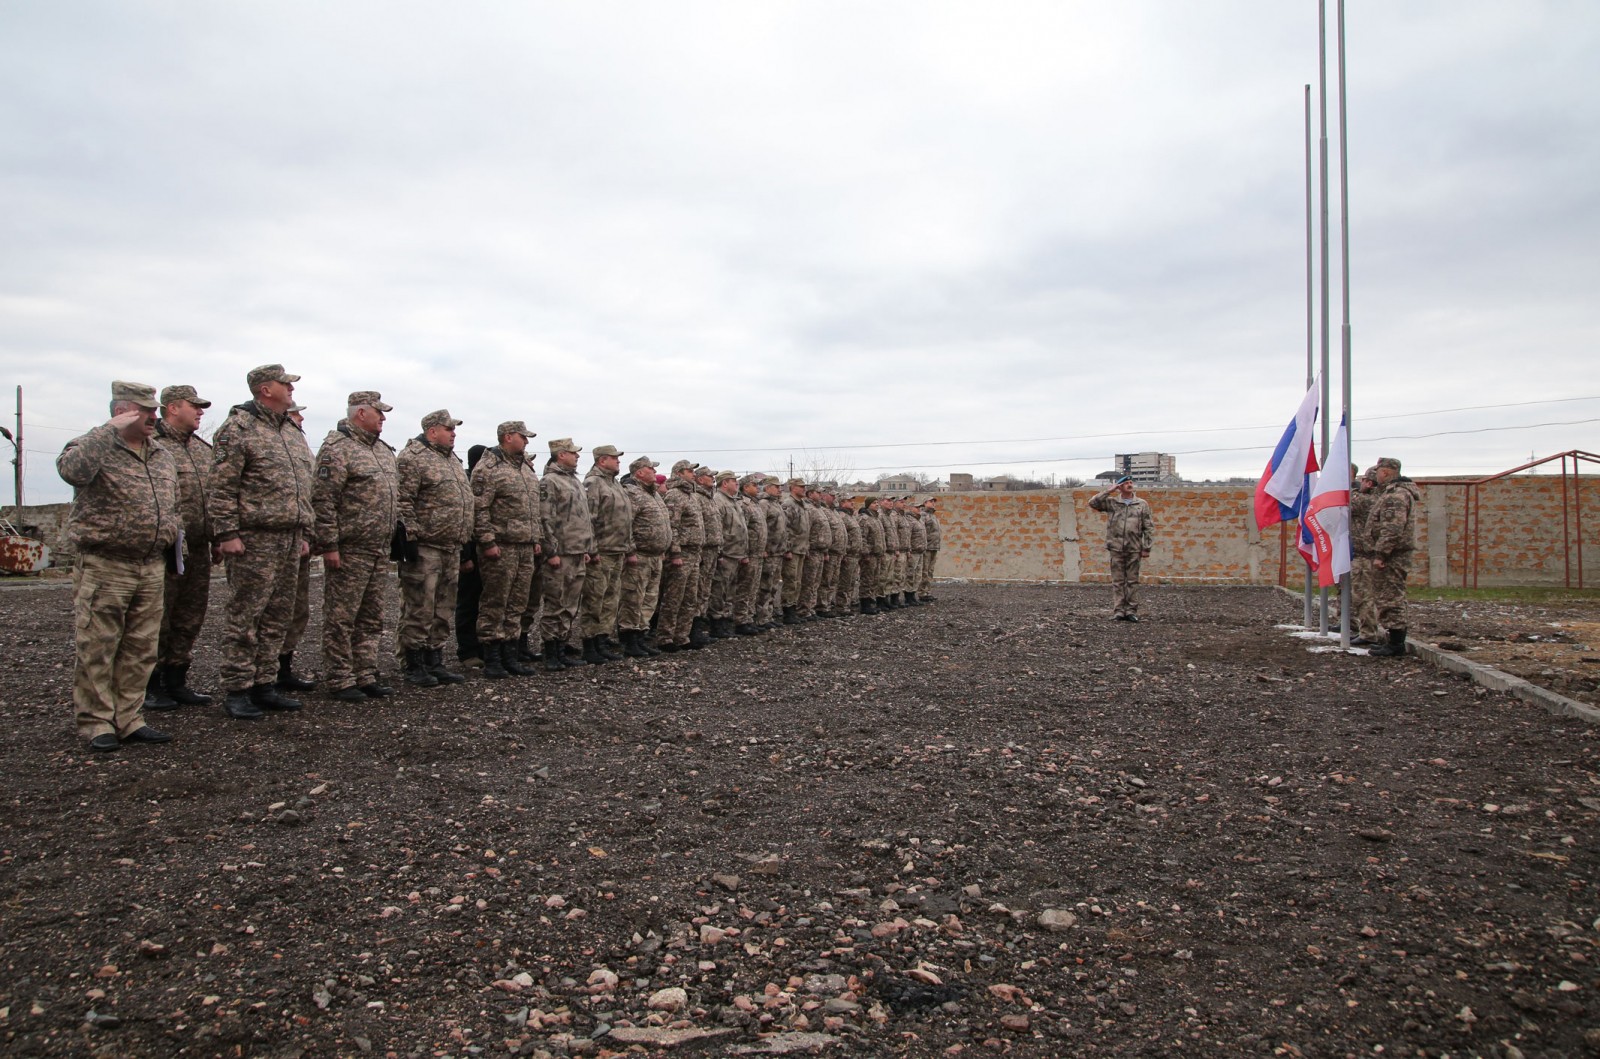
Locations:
609 512
434 498
935 531
839 542
919 533
505 502
261 474
895 535
755 525
821 527
734 535
709 517
1131 527
124 503
855 536
871 533
1361 501
1391 525
191 453
354 491
688 522
568 530
652 522
777 525
797 524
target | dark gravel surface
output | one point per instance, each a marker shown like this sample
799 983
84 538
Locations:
1555 644
999 823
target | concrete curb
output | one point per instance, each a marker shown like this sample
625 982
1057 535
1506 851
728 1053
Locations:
1494 679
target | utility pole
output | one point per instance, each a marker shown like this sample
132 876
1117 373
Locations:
16 443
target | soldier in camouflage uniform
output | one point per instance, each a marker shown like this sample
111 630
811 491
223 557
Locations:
353 497
680 579
1130 531
641 571
895 541
568 546
260 506
125 523
507 524
705 480
187 593
872 552
733 554
838 544
611 516
769 610
930 557
816 556
1392 532
848 594
914 554
434 504
797 527
755 522
1364 608
288 679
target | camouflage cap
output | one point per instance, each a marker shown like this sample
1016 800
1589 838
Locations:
513 426
560 445
1389 462
134 393
726 476
441 418
268 373
682 465
801 482
771 481
756 479
183 393
608 450
368 399
641 461
702 471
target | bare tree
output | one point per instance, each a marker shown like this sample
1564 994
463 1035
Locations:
825 466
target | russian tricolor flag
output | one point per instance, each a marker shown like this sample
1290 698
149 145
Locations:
1285 486
1328 513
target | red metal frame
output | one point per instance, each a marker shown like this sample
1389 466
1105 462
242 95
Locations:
1571 524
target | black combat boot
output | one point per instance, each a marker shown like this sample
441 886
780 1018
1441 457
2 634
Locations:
700 632
721 628
608 648
435 663
524 652
633 644
1395 648
646 642
238 706
287 680
155 691
869 605
745 628
790 617
553 662
912 600
178 687
493 667
510 662
267 698
591 651
417 668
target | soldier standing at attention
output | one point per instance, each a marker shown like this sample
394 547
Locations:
849 591
354 500
797 526
1392 532
287 679
260 505
930 525
733 554
755 522
1130 530
918 547
895 539
434 504
641 571
611 515
816 555
187 593
507 524
711 519
125 523
1364 610
770 609
872 551
838 545
568 546
680 577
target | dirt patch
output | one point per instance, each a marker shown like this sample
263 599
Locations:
999 823
1555 645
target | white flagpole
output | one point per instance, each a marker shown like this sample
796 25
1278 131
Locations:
1344 286
1322 150
1310 306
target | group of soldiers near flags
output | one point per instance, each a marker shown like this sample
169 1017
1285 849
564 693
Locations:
603 567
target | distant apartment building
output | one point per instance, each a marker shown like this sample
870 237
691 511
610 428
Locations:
1150 467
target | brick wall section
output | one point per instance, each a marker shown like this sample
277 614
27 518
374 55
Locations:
1520 540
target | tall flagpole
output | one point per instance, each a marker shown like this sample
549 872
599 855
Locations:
1344 328
1310 305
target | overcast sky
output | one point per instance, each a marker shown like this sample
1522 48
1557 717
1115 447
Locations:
1034 233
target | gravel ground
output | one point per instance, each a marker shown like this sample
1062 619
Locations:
1001 823
1553 644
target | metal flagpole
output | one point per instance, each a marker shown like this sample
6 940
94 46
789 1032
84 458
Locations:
1344 288
1310 304
1322 105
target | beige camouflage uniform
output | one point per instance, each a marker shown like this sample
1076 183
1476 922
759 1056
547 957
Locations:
652 537
733 550
507 516
1130 530
569 536
709 553
1364 611
755 522
770 606
930 558
680 580
188 593
1392 531
435 504
797 529
611 515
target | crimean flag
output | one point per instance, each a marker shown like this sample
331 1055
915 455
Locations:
1328 513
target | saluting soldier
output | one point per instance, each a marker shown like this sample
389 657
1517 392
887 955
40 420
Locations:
1130 530
188 592
507 523
611 515
568 545
125 524
435 506
354 500
641 571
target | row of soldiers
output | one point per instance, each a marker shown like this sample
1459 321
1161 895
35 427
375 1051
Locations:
599 561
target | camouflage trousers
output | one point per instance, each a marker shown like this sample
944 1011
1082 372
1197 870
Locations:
680 598
897 574
708 579
641 590
770 593
829 588
505 591
302 608
264 582
1124 581
914 571
428 588
602 595
1389 590
871 576
794 567
1364 605
749 596
929 558
185 609
563 594
116 617
811 582
731 577
352 617
849 591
